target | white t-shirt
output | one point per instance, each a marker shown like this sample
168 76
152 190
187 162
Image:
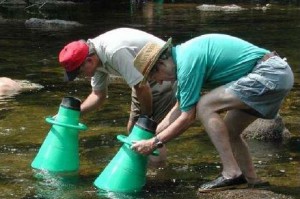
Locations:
117 49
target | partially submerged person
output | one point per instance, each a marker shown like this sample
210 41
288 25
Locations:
113 53
244 80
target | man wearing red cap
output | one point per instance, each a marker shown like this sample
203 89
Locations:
113 53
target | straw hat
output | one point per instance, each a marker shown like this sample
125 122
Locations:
147 57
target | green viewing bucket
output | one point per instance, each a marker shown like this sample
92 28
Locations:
126 172
59 151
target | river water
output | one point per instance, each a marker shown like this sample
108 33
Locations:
31 54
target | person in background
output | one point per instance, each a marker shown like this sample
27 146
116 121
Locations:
113 53
243 80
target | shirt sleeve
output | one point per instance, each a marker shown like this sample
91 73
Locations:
100 80
190 82
122 61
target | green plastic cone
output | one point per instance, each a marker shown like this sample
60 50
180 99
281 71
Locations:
59 151
126 172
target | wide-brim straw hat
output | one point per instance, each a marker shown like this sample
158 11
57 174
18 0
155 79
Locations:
147 57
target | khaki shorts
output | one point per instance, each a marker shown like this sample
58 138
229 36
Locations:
163 101
265 87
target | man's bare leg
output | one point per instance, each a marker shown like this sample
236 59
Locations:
236 121
208 111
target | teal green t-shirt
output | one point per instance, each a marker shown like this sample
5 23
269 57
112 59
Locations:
209 61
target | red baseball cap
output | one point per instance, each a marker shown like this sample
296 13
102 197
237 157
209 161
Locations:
72 56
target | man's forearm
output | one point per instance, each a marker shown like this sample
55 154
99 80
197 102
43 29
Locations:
144 96
169 119
92 102
177 127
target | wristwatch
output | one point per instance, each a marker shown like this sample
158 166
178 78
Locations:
158 143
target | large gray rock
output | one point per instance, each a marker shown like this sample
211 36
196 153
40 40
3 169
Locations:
53 24
267 130
10 87
13 2
215 8
56 2
244 194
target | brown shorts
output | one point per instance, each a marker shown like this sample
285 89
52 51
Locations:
163 100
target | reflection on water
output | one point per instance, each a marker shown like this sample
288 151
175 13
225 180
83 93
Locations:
31 54
112 195
50 185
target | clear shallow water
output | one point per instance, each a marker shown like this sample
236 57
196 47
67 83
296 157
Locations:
31 54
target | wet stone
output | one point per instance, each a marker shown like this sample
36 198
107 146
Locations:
244 194
267 130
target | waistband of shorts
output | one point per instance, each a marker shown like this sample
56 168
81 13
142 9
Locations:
268 56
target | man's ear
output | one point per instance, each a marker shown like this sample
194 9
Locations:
91 60
159 62
95 60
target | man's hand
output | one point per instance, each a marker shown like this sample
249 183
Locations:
144 147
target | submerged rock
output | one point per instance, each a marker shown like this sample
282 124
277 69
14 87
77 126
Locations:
244 194
53 24
28 86
214 8
56 2
13 2
10 87
267 130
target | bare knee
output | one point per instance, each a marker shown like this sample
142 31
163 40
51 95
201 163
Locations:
203 108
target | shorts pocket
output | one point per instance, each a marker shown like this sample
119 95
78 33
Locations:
253 85
265 82
276 63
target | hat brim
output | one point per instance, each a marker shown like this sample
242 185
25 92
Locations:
154 60
71 75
